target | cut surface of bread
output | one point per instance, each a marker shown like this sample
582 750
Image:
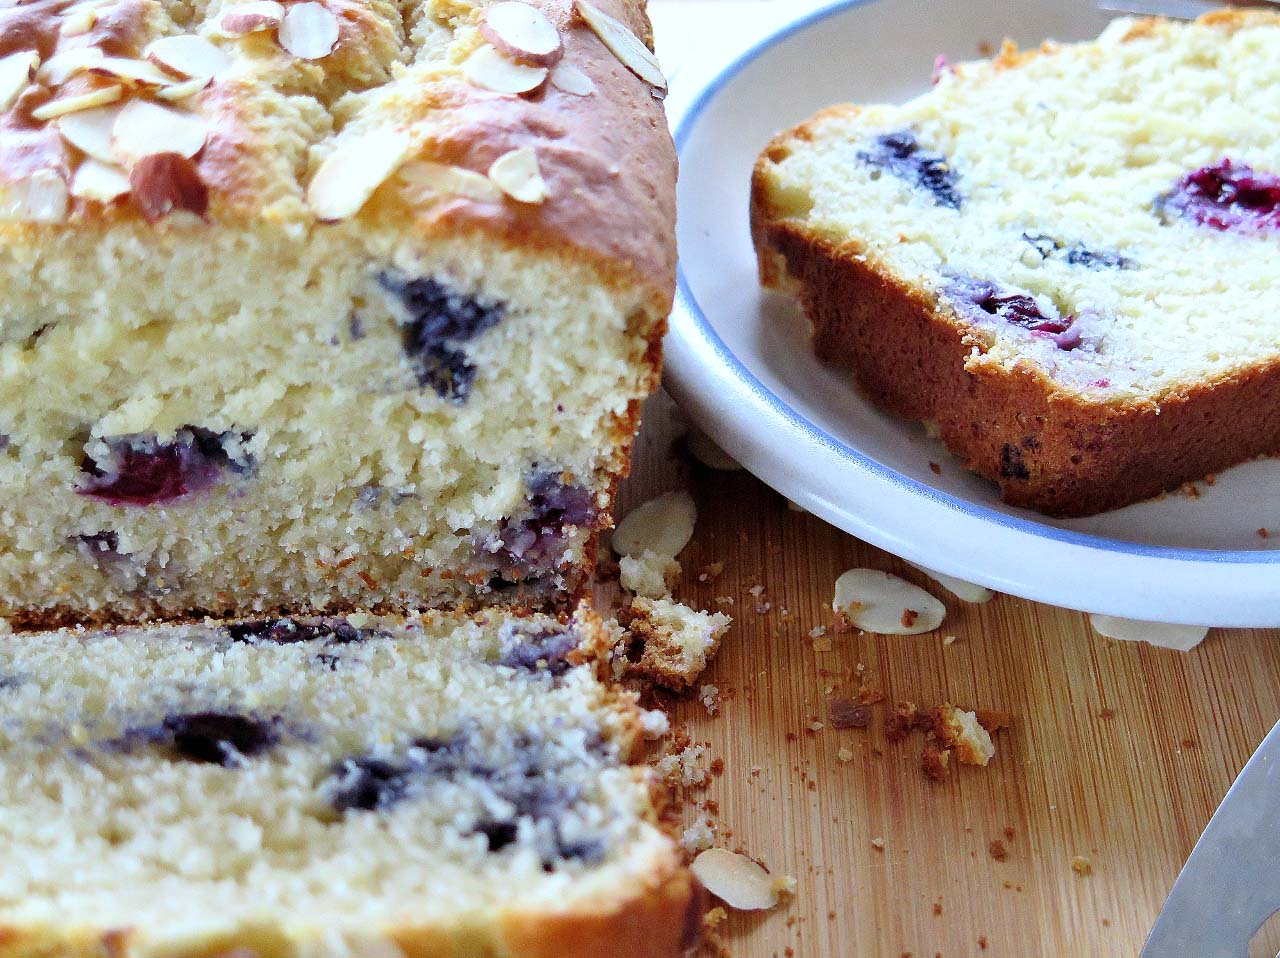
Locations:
364 329
359 786
1065 258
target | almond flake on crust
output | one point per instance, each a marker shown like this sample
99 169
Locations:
517 174
135 71
144 128
453 180
735 879
94 180
491 69
73 104
309 31
623 44
89 131
78 20
180 91
251 17
188 55
878 602
522 31
61 67
16 71
38 198
165 182
351 173
569 79
663 526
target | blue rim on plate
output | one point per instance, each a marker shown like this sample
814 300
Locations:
684 295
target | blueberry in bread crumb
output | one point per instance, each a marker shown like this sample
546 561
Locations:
1225 196
900 154
144 470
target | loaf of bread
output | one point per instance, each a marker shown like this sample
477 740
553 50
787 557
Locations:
321 305
331 787
1067 259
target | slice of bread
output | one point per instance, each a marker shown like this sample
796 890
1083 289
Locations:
1067 259
347 787
380 342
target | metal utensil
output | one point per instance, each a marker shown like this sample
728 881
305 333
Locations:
1175 9
1231 883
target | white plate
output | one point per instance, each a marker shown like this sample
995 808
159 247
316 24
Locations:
739 362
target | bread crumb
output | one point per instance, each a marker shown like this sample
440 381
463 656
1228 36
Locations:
697 837
845 754
935 762
709 572
877 844
817 631
998 852
846 713
1081 866
649 574
816 726
709 695
785 886
714 917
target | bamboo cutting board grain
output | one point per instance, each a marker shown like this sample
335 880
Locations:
1117 756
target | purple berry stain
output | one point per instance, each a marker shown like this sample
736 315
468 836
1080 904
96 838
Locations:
220 737
900 154
1016 309
1225 196
534 540
143 470
537 648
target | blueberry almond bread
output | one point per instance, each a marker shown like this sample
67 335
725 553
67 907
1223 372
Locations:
355 787
1065 258
320 306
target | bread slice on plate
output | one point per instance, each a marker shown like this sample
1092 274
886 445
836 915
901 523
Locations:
321 306
354 787
1067 260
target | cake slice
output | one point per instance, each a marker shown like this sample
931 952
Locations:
1066 259
360 786
321 306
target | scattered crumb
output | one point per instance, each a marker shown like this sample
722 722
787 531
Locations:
709 573
816 726
846 713
909 617
709 695
1106 713
993 720
649 574
1264 534
683 767
937 908
1009 833
877 844
949 640
1081 866
935 762
714 917
998 852
845 754
982 942
723 600
670 643
935 468
822 644
961 730
697 837
1190 490
817 631
785 887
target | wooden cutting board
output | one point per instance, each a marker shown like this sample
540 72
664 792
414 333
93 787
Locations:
1117 756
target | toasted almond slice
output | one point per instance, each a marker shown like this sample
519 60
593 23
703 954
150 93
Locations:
1182 638
136 71
352 172
15 75
517 174
188 55
879 602
962 590
165 182
623 44
78 20
735 879
98 181
489 68
38 198
522 31
61 67
73 104
144 128
569 79
456 180
251 17
309 31
180 91
90 131
663 526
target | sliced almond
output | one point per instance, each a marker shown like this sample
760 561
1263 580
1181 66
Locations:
493 70
962 590
309 31
78 20
352 172
735 879
251 17
517 174
38 198
144 128
180 91
73 104
98 181
15 75
663 526
90 131
522 31
455 180
188 55
623 44
878 602
135 71
165 182
1182 638
61 67
569 79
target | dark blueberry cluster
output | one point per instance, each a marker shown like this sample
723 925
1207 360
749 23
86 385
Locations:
534 540
1077 254
537 647
531 782
1225 196
336 631
439 320
220 738
899 153
142 470
100 547
1016 309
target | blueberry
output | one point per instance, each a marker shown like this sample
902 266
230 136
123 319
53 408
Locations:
1225 196
900 154
1016 309
1077 254
534 540
440 318
542 649
1011 464
288 631
498 834
367 784
217 737
142 470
